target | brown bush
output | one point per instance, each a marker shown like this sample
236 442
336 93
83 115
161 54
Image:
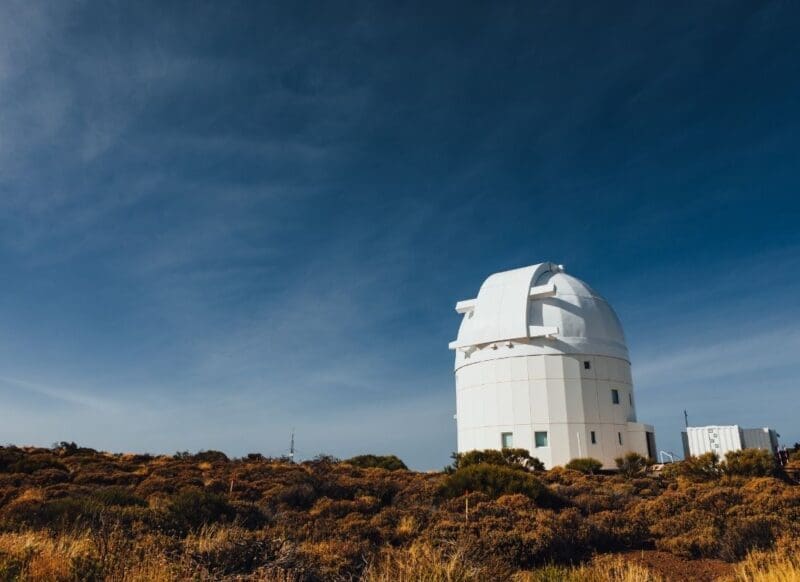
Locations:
259 518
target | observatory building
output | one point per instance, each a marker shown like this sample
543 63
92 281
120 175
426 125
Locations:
541 364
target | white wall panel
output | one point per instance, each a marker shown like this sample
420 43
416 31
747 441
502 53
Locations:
536 368
556 401
573 399
519 369
540 411
505 406
554 366
503 370
521 405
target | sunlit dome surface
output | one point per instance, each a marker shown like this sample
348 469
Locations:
537 310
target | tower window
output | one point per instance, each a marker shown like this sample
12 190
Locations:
615 396
619 437
593 437
540 437
587 365
630 398
507 440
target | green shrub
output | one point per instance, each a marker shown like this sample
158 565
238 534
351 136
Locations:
210 457
192 508
249 515
297 495
118 496
701 468
322 460
32 463
492 480
749 463
11 567
86 568
388 462
57 514
8 458
228 550
632 464
514 458
586 465
743 535
68 449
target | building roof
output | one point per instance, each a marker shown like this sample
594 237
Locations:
536 310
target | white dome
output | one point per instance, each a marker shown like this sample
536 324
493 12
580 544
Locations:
536 310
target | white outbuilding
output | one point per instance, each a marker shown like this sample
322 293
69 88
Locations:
541 364
721 440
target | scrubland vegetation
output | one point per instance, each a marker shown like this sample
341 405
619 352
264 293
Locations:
69 513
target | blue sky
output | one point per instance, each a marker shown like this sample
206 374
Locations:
221 221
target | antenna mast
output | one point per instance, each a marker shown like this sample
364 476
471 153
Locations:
686 418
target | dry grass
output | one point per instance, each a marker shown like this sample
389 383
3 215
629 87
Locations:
601 569
768 567
406 526
424 564
31 495
421 563
38 556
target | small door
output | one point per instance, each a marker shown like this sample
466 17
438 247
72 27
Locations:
651 445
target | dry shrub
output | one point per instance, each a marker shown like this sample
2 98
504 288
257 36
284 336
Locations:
326 507
690 535
514 531
224 550
333 559
615 531
743 534
193 508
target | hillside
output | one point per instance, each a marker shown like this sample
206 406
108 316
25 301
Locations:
76 514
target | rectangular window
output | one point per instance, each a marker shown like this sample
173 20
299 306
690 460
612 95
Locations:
594 437
540 438
615 396
507 440
619 436
587 365
630 398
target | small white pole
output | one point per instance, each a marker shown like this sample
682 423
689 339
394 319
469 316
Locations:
580 450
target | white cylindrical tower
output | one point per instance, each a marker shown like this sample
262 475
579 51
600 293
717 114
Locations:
541 364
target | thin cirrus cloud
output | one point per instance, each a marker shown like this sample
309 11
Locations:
59 394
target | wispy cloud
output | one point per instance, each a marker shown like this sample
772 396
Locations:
732 357
60 394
